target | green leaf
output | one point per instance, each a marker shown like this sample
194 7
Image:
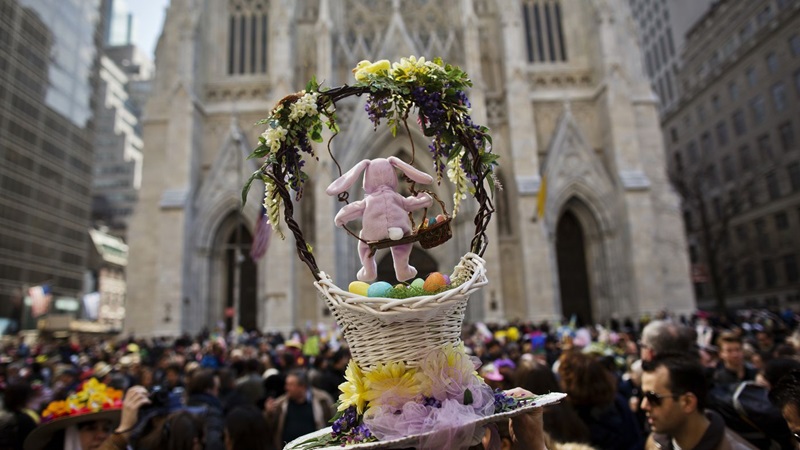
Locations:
260 152
246 188
489 159
467 397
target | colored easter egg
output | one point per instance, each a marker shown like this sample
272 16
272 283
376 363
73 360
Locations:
446 279
399 286
358 287
378 289
418 283
431 221
434 282
440 218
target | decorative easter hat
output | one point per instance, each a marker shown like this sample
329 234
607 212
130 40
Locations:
410 381
94 401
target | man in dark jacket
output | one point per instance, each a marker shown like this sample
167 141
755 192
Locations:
203 391
674 400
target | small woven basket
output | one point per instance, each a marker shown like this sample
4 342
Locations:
382 330
436 234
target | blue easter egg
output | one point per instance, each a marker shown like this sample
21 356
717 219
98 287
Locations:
432 221
378 289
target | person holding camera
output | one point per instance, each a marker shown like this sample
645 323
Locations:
135 398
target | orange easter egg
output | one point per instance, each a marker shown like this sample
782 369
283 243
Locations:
434 282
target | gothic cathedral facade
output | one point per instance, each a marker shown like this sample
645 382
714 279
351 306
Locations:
560 84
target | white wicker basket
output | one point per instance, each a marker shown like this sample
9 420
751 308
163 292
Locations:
383 330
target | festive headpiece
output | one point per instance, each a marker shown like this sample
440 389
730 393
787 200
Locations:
94 401
410 381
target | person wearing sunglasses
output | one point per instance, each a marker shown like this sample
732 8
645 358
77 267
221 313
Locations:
786 396
674 397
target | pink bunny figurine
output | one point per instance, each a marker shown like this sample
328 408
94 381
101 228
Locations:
384 211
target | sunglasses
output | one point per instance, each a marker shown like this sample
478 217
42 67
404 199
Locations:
656 399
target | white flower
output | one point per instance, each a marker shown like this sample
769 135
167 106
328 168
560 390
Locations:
459 178
273 138
304 106
272 203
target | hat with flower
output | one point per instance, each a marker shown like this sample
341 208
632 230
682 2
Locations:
92 402
410 382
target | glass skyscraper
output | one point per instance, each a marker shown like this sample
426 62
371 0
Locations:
48 77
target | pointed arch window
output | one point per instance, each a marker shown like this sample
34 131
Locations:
247 37
544 31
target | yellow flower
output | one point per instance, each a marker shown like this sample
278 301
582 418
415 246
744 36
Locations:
364 68
353 389
391 385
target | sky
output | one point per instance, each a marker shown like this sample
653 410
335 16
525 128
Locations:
148 20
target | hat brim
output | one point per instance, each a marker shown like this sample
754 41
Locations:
41 435
412 440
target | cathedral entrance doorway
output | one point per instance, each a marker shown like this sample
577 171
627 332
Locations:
573 276
420 259
239 264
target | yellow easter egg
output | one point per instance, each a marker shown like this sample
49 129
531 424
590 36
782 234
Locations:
434 282
359 288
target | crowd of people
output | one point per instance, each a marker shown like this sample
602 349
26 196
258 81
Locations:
699 382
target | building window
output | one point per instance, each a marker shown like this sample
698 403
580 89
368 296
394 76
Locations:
794 176
673 133
781 220
728 171
790 268
745 162
761 233
691 149
544 31
770 277
701 113
715 103
730 277
779 96
786 133
687 220
797 82
741 233
706 143
764 16
678 161
716 204
247 40
772 62
749 270
733 91
711 175
733 201
752 78
722 133
765 148
794 43
739 125
757 108
773 188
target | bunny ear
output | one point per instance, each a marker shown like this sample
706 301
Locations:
344 182
410 171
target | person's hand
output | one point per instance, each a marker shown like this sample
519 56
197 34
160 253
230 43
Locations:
527 430
135 398
270 407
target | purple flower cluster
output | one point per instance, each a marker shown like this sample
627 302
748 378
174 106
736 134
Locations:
347 430
377 108
431 113
503 402
432 402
